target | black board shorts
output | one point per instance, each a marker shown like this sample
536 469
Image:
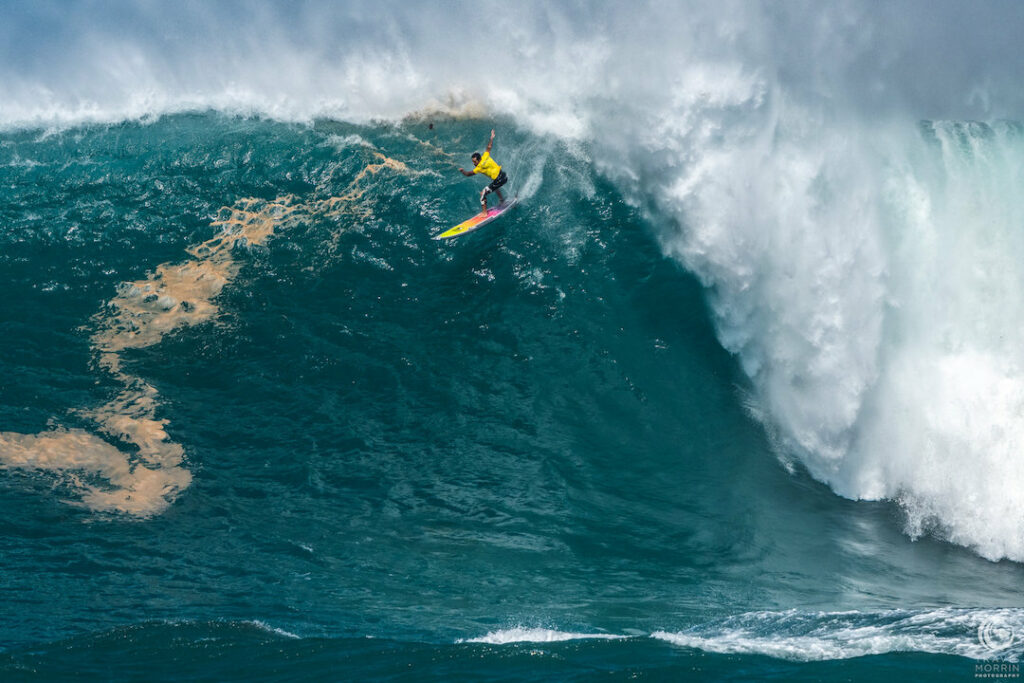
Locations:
497 182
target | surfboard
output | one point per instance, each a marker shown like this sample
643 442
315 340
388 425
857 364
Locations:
478 221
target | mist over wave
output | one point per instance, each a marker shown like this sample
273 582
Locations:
863 265
577 68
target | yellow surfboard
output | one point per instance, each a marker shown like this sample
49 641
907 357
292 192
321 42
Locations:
477 221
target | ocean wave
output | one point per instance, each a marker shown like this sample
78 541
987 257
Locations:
864 268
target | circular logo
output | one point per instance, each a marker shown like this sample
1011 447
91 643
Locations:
995 634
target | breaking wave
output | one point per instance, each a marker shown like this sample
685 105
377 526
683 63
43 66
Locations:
820 169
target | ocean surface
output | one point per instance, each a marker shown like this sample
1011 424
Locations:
736 392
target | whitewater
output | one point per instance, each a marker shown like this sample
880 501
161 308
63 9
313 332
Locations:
834 192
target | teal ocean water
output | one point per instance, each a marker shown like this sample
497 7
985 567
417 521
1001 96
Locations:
403 456
733 393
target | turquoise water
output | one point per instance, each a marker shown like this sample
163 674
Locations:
521 455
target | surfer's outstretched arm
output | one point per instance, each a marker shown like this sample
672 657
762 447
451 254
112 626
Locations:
465 172
491 141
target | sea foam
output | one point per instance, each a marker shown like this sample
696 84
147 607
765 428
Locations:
521 634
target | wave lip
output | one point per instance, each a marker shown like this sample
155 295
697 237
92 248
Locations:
983 634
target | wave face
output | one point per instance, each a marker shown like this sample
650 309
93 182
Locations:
861 264
253 412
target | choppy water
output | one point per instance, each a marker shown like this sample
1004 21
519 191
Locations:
734 393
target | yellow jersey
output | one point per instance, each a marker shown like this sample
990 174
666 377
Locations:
487 166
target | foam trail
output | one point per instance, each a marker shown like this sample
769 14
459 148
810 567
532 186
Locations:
144 478
145 472
129 487
181 295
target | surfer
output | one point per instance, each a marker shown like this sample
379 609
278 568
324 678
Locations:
487 166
